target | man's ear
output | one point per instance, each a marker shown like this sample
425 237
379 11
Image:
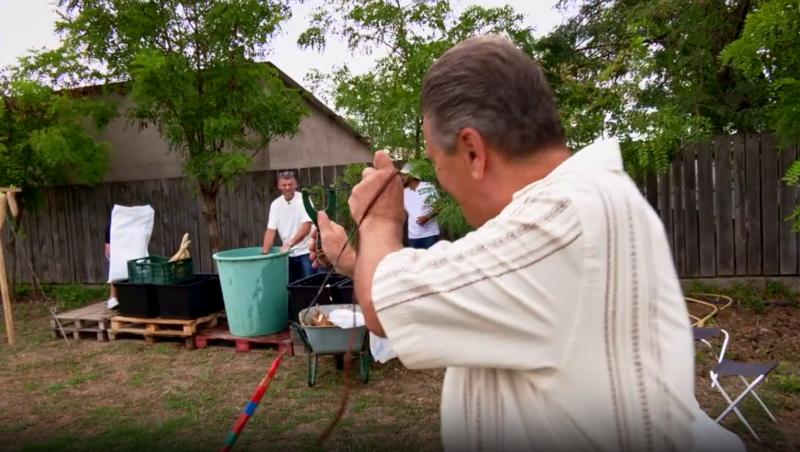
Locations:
473 149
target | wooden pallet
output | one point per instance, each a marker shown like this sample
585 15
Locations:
93 319
243 344
156 327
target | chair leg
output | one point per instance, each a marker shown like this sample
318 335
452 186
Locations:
760 402
715 383
732 404
711 351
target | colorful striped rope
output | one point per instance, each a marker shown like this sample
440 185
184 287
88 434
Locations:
251 406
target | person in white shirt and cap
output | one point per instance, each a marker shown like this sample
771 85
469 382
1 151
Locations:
560 318
418 196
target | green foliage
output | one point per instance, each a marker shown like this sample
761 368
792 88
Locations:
787 383
47 137
768 52
703 287
345 183
751 295
71 296
792 176
776 290
193 73
344 186
67 296
193 70
384 102
23 290
748 296
651 73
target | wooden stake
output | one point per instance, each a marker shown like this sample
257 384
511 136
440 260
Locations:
3 281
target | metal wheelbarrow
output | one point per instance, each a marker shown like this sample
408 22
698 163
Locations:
332 340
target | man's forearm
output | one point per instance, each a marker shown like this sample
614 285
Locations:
376 240
269 239
302 232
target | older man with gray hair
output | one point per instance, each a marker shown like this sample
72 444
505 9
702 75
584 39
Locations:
560 319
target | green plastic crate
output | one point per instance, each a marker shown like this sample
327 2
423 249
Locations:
159 270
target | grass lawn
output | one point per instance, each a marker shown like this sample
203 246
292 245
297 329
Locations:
124 395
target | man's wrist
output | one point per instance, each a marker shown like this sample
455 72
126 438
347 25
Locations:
380 231
378 224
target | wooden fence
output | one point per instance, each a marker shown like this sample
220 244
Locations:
63 241
724 208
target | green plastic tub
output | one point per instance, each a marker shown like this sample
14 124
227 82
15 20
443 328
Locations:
254 290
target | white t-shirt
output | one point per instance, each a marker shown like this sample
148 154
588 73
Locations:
560 321
414 202
286 217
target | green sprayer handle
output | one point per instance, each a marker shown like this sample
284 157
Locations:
330 208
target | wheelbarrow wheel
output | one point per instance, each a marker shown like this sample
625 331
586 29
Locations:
311 361
364 364
339 361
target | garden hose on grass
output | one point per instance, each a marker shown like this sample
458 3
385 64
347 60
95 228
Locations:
723 300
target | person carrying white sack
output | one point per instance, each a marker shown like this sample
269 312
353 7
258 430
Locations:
560 319
128 238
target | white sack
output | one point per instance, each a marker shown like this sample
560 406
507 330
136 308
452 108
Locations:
131 228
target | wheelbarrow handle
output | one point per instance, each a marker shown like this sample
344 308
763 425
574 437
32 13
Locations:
302 333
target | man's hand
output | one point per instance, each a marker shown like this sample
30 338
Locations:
423 219
380 230
388 207
285 248
333 239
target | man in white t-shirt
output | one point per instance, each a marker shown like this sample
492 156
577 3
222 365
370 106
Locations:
423 229
289 219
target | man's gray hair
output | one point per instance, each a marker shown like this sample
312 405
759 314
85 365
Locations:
287 175
489 84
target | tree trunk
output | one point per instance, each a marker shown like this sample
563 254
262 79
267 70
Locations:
210 215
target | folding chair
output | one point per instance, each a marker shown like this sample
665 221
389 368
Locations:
703 335
729 368
757 371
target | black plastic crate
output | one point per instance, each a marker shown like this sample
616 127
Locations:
344 291
302 292
191 299
136 299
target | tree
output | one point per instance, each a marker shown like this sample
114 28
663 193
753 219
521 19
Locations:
651 73
768 51
193 72
46 139
384 103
